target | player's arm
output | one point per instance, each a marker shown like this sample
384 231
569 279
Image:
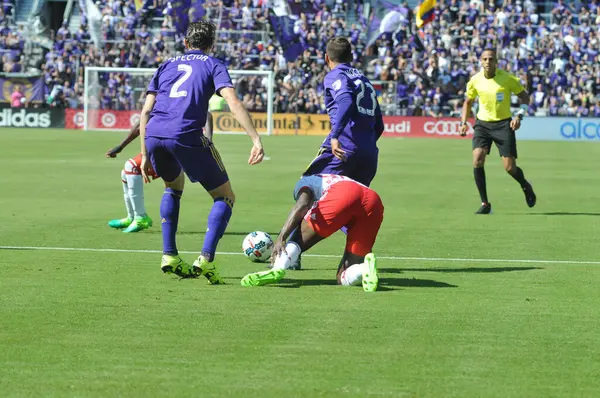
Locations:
379 125
467 106
133 134
243 117
523 96
208 128
341 91
144 117
303 204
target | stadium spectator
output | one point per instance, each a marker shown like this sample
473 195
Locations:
555 51
17 98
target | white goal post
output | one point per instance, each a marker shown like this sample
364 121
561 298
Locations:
115 104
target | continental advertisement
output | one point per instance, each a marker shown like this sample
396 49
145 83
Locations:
283 123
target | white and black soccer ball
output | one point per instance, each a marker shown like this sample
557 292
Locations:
258 246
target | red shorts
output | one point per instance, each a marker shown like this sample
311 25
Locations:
136 166
352 205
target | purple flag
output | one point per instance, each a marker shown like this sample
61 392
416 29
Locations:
34 88
284 31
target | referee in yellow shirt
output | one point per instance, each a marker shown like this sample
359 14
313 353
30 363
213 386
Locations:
495 124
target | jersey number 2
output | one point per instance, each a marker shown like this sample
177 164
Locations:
188 72
365 111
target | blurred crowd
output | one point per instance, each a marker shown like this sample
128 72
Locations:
554 50
556 54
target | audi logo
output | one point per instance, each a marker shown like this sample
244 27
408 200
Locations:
444 127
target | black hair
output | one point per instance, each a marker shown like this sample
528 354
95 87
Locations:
201 35
339 50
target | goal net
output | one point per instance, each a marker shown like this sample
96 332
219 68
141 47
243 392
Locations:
113 99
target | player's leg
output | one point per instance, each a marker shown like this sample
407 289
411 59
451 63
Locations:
506 142
169 169
362 233
359 167
218 219
124 222
135 184
300 241
482 142
328 215
362 167
202 163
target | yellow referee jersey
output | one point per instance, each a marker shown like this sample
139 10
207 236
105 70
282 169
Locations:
494 94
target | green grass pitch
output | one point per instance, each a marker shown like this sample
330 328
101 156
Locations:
445 323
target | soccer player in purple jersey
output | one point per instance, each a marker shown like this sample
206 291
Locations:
173 143
350 149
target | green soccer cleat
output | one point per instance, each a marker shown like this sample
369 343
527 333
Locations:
120 223
263 278
175 265
207 269
139 224
370 279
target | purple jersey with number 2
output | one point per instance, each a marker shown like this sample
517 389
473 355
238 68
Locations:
183 86
174 140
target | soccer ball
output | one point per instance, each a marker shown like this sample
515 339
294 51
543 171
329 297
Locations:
258 246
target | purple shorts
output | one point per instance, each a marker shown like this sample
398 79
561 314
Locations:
198 159
360 167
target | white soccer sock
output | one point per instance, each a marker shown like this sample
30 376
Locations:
353 275
136 194
286 262
128 204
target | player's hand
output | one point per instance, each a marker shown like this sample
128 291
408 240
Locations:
257 153
278 250
463 129
114 152
515 123
146 167
336 149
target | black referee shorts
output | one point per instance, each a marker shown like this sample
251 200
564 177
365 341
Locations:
499 133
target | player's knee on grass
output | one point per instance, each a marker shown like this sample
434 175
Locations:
348 260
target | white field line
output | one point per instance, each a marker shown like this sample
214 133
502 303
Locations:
396 258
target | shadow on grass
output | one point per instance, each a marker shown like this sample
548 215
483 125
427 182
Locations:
233 233
458 270
562 213
385 284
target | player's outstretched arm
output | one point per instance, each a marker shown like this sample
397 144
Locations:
466 112
208 128
133 134
243 117
303 204
144 117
